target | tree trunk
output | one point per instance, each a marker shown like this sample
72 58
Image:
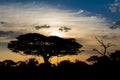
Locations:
46 59
105 49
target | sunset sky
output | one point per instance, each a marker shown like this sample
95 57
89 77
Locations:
86 18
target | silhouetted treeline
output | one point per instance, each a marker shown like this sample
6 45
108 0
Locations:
105 67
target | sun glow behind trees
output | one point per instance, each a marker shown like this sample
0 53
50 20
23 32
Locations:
56 33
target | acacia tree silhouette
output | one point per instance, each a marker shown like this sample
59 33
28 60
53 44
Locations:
45 46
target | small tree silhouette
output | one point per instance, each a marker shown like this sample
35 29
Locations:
104 51
45 46
105 54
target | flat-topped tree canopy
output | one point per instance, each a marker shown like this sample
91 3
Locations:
45 46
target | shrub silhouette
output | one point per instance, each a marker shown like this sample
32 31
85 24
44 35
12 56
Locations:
45 46
115 56
8 63
93 59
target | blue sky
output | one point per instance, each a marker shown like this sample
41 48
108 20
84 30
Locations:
100 7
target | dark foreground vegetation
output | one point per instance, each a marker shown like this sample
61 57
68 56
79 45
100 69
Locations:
104 67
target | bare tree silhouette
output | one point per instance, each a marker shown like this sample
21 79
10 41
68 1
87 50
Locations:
105 54
104 51
45 46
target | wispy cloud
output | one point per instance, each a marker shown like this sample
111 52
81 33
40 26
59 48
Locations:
9 34
115 6
115 25
6 36
22 18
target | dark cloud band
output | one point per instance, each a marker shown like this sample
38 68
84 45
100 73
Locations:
10 34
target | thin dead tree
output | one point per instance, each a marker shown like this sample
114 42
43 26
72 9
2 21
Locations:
105 47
